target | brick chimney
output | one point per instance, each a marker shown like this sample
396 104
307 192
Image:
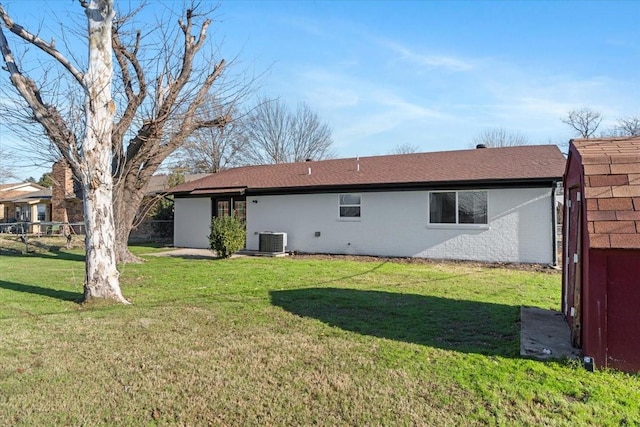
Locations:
65 205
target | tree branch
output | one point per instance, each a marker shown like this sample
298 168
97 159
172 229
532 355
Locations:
48 116
125 58
48 48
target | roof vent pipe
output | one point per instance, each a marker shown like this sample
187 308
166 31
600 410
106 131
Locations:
309 172
307 160
481 146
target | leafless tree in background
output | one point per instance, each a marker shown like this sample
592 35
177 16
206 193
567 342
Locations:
584 121
500 137
628 126
163 78
404 148
6 170
210 150
278 136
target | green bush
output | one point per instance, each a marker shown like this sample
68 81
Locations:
227 235
162 218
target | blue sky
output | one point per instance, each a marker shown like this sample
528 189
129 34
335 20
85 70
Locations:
430 74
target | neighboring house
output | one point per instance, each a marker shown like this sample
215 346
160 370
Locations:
601 260
487 204
25 202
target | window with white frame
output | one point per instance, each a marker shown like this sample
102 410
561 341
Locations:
350 205
458 207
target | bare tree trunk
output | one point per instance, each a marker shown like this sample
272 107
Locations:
123 199
102 276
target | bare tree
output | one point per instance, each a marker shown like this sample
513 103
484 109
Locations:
404 148
163 78
500 137
90 155
6 171
210 150
584 121
628 126
277 136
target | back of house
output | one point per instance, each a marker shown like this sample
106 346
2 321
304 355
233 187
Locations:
485 204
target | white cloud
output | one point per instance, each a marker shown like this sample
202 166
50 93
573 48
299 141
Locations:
429 61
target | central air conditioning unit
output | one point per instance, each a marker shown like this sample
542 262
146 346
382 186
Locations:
272 242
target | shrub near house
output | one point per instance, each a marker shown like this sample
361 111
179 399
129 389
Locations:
227 236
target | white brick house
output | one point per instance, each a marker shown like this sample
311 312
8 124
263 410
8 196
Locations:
492 204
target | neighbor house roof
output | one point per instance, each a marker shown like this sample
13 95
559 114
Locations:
612 190
25 190
486 166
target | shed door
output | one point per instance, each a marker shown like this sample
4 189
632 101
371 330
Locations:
573 270
623 300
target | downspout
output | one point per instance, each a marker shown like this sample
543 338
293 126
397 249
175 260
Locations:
554 224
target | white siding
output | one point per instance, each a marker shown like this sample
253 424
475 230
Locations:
192 223
396 224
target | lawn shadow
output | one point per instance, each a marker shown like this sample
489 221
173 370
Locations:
459 325
39 290
54 253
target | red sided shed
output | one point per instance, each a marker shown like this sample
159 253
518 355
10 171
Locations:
601 254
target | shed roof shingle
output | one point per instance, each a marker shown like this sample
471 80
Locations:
612 190
523 163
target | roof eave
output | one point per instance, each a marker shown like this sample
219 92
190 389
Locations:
370 187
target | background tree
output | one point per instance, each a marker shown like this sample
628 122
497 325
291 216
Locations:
584 121
161 208
278 136
6 171
500 137
46 180
404 148
628 126
163 78
210 150
88 154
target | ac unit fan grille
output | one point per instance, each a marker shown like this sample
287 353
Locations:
271 242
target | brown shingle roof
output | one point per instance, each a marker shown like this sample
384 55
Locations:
488 165
160 183
612 190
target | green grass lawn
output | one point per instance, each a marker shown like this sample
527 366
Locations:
288 341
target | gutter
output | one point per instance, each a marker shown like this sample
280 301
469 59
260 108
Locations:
407 186
554 225
371 187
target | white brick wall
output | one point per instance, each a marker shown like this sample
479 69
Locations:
396 224
192 223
